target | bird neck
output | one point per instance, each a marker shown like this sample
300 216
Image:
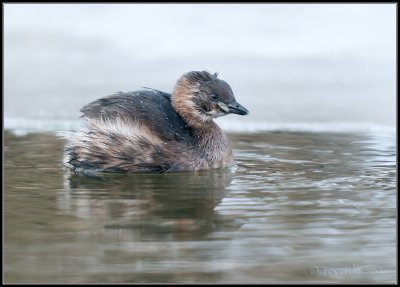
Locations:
182 102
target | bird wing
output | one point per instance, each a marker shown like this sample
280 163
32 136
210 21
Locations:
151 108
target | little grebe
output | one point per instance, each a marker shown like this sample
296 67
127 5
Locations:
153 131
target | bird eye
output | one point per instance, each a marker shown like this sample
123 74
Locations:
213 97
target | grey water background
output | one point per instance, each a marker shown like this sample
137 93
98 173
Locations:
312 198
289 64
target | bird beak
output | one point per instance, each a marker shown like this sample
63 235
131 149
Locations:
236 108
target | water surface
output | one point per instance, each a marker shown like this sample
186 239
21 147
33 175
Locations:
299 207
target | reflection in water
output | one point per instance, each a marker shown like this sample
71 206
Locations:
151 205
299 207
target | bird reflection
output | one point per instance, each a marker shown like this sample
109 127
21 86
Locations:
148 204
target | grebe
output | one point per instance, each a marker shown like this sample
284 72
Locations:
153 131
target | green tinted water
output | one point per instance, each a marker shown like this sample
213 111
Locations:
297 208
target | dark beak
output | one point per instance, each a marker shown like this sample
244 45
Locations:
236 108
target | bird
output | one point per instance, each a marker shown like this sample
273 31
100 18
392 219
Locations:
150 131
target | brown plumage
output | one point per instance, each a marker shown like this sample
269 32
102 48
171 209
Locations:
152 131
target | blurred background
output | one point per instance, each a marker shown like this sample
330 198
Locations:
294 66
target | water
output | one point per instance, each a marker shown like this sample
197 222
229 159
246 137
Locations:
299 207
286 63
312 198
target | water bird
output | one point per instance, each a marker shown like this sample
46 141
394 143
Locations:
153 131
